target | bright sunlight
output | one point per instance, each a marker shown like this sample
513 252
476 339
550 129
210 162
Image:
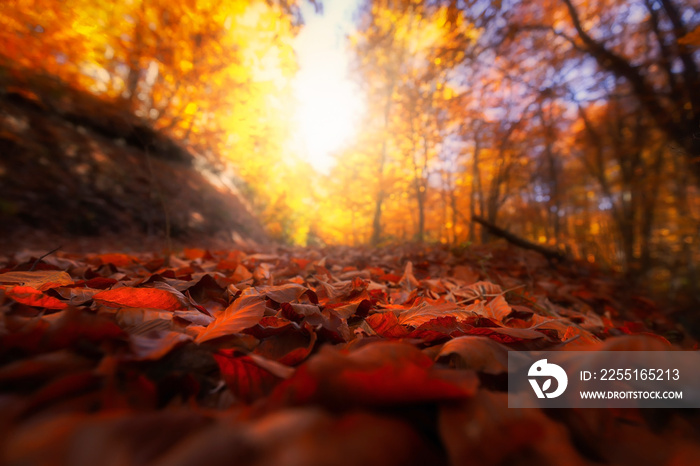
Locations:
328 102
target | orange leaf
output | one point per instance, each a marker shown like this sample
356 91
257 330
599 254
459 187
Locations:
33 297
497 309
245 312
194 253
117 259
127 296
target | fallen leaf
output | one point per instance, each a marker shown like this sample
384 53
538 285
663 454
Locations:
33 297
243 313
283 293
39 279
480 354
156 344
245 377
127 296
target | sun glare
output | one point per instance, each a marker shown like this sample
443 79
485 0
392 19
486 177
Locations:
328 102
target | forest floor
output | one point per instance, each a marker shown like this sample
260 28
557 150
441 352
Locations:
315 357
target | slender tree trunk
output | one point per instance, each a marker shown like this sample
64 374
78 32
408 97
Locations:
649 203
377 220
477 190
134 75
453 206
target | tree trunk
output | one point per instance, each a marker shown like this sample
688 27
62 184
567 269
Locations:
377 220
550 254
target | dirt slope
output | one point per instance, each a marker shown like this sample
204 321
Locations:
84 174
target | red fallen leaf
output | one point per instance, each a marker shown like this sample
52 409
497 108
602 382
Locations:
390 277
478 290
375 272
117 259
439 328
377 374
480 354
127 296
156 344
129 317
578 339
360 309
330 327
297 355
377 296
479 321
342 292
297 312
243 313
288 312
507 335
269 326
289 347
425 312
282 293
194 253
304 310
100 283
245 377
387 325
184 273
33 297
301 263
226 264
206 289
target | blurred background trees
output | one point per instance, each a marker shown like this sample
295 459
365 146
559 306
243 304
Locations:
571 124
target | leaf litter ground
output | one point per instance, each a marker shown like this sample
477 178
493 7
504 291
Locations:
314 357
